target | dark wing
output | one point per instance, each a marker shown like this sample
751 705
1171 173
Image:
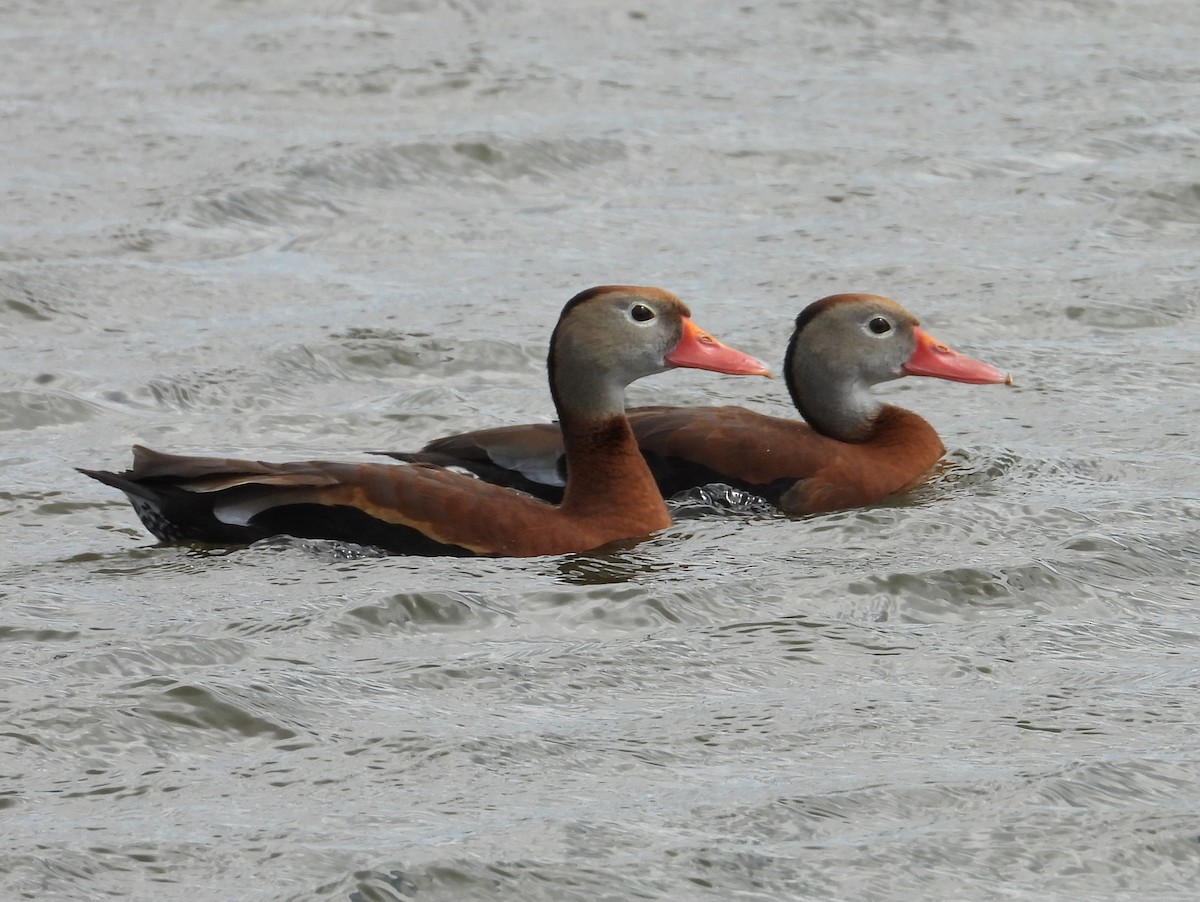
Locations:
693 446
413 509
528 458
685 447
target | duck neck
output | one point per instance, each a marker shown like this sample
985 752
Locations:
603 464
603 461
835 402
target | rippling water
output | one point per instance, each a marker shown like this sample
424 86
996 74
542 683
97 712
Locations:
318 229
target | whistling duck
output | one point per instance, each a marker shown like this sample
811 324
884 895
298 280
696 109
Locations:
854 450
606 337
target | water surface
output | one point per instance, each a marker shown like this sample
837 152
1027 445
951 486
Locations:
325 229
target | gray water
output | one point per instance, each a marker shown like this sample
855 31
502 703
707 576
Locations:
313 229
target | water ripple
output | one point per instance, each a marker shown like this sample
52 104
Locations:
489 159
20 410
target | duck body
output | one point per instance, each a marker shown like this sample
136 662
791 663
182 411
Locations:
417 509
606 337
853 450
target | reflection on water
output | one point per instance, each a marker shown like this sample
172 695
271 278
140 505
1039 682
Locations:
615 564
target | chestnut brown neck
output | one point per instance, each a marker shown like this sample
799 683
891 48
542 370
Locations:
910 434
606 470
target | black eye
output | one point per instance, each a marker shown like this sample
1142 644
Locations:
641 313
879 325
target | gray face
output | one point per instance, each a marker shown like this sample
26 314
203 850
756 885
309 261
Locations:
620 336
607 340
864 339
843 345
879 335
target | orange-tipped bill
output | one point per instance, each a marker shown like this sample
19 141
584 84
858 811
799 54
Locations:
699 350
932 358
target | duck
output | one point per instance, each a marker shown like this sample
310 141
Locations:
851 450
605 338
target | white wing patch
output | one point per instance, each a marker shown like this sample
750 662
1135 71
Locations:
240 511
542 468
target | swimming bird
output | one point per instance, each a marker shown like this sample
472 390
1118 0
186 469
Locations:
853 449
606 337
